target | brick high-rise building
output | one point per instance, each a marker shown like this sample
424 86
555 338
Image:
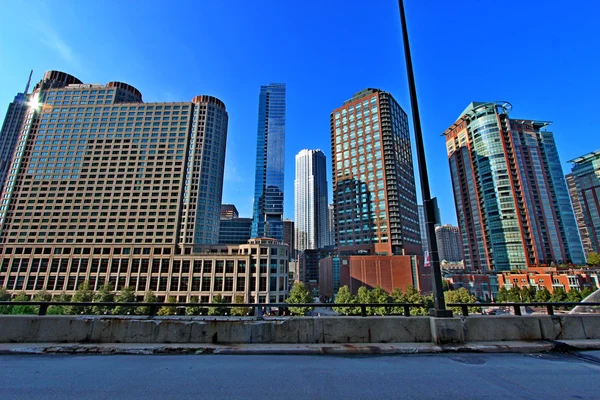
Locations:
511 198
586 198
106 188
375 202
449 244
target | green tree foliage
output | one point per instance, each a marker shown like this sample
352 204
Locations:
344 296
412 295
398 297
574 296
593 259
42 295
502 296
127 295
380 296
543 295
4 296
558 295
22 309
364 295
217 299
239 311
195 309
83 294
149 297
104 295
528 294
165 310
461 296
59 310
514 295
586 292
298 295
445 286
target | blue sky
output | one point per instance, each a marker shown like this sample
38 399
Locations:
542 56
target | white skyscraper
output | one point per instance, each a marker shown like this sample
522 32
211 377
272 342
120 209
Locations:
310 208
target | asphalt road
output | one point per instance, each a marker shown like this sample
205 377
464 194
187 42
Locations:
457 376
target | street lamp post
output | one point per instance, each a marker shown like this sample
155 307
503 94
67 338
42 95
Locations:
439 309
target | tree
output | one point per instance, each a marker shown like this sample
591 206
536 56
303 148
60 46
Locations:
299 294
42 295
22 309
127 295
380 296
217 299
445 286
83 294
193 310
559 295
587 291
4 296
239 311
412 295
543 295
59 310
149 297
574 296
398 297
166 310
514 295
344 296
528 294
104 295
593 259
502 295
461 296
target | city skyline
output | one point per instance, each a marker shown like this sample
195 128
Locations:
165 74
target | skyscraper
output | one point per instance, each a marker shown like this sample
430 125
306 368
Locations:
270 163
311 205
423 226
11 129
330 225
229 211
375 202
448 241
289 238
107 189
103 167
586 177
511 198
584 231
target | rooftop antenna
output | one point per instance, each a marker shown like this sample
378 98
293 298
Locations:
28 82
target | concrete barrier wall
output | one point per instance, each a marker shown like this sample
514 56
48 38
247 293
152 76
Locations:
78 329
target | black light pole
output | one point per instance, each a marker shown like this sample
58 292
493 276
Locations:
439 309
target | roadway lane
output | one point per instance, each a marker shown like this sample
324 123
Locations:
455 376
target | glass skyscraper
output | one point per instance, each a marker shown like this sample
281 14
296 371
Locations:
511 197
586 177
267 218
310 205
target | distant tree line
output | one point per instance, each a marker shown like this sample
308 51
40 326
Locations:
530 294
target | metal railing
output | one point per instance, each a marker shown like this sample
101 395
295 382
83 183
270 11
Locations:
550 307
152 308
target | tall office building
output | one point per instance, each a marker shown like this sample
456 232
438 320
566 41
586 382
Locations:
423 225
584 232
107 189
289 237
586 198
270 163
449 244
375 202
330 224
229 211
11 128
311 205
512 201
235 230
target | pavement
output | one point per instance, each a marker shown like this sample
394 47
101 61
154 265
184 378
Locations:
466 376
299 349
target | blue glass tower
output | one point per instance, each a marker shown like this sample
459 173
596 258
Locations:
270 162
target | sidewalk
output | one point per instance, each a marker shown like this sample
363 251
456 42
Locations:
298 349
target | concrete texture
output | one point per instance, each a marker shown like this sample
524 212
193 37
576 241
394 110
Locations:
259 377
294 330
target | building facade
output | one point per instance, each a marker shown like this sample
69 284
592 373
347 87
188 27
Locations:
375 202
511 197
308 265
270 163
551 278
330 225
585 194
449 244
229 211
423 226
387 272
105 188
289 237
235 230
311 204
11 129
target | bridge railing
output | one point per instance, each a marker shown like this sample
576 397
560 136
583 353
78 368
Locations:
259 309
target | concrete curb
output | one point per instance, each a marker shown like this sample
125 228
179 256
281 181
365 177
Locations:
300 349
